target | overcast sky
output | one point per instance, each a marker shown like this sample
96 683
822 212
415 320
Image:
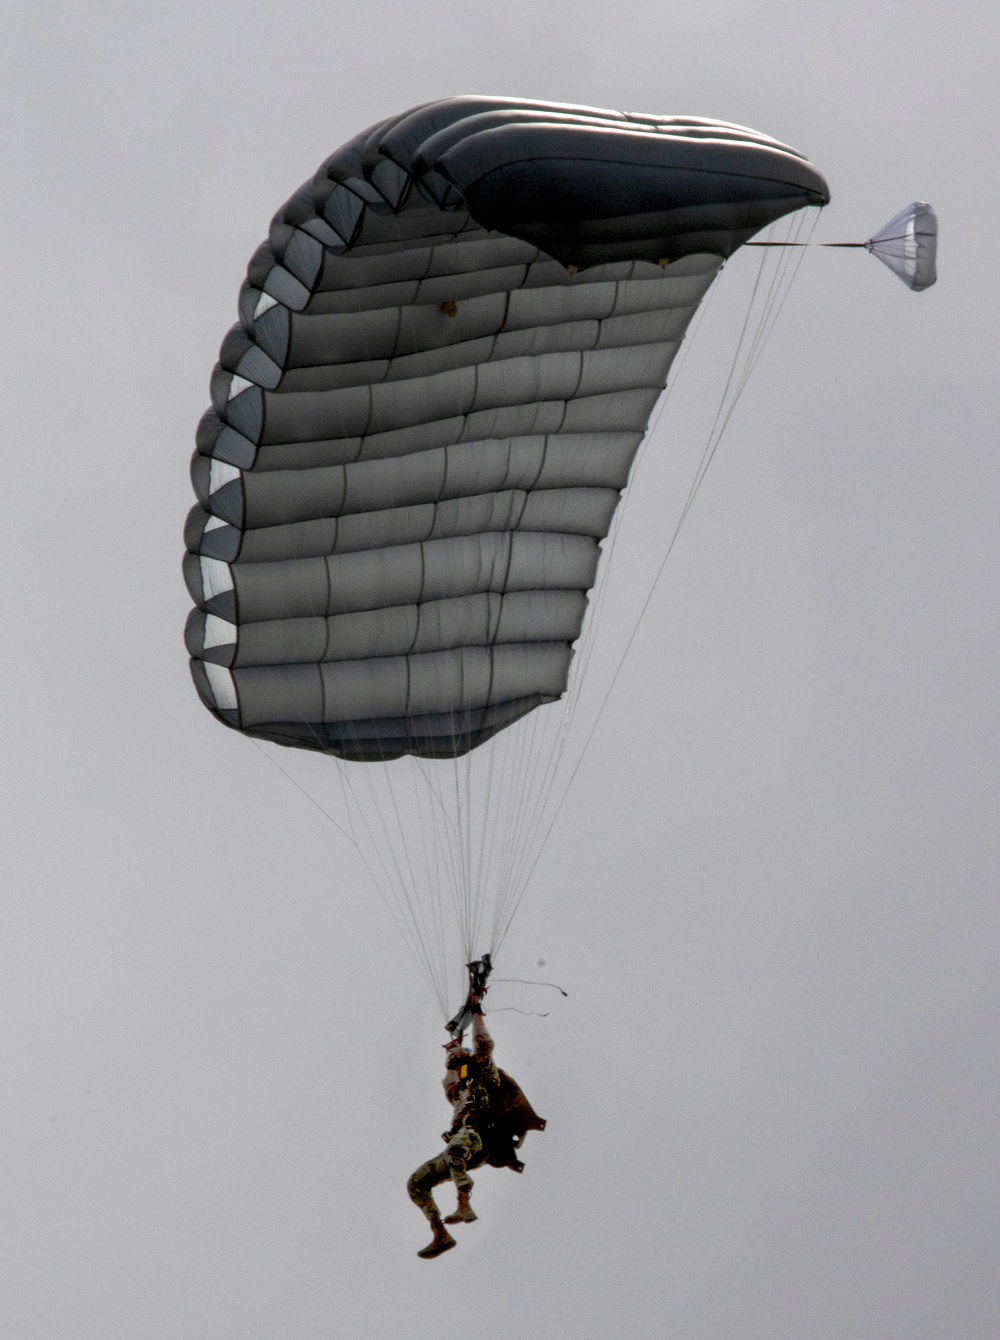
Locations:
772 1091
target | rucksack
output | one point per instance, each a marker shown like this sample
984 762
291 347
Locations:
510 1117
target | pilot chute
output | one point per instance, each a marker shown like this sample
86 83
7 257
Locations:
907 244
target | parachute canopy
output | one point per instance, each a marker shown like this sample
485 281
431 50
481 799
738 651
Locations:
908 245
447 355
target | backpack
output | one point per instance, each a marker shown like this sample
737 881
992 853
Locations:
509 1118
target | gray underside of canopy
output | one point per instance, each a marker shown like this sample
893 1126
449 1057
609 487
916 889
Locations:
421 429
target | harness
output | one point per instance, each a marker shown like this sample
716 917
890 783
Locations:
495 1108
499 1113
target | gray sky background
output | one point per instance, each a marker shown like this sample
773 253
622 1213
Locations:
772 1093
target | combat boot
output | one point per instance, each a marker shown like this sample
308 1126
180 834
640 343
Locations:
442 1241
464 1214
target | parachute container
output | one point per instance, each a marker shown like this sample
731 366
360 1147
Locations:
448 351
908 245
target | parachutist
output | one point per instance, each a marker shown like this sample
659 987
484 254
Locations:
490 1118
399 520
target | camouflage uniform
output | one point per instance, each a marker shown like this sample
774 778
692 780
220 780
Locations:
463 1151
469 1090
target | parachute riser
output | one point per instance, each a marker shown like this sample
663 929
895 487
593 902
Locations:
479 971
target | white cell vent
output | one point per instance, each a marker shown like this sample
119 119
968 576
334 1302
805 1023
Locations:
218 632
221 473
222 685
216 577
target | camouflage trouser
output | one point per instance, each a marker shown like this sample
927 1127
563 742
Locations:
463 1151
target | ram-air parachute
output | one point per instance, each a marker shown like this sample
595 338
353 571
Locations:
448 352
